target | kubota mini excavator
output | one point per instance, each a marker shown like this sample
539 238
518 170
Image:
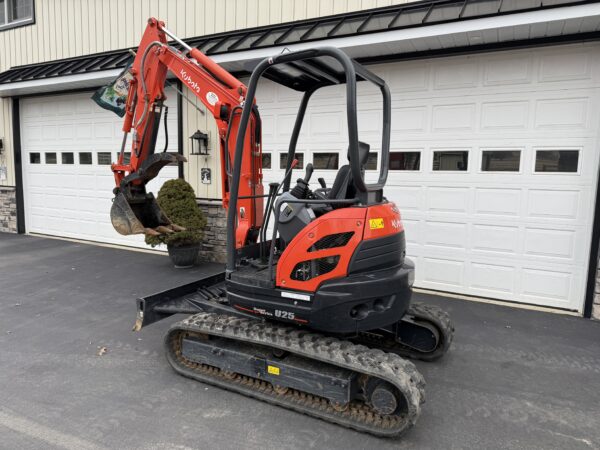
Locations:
316 317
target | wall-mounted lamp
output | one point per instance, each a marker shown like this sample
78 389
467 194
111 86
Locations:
199 143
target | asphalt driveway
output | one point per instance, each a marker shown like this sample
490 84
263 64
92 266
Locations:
513 378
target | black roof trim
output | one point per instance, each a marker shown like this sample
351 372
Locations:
406 15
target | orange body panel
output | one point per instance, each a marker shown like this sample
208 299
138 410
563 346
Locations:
382 220
355 219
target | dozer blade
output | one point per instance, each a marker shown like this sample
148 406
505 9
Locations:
134 211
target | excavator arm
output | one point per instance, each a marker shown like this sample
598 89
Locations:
134 210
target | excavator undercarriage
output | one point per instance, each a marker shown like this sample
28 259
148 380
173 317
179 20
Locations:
361 380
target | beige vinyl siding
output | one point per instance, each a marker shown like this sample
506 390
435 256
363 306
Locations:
69 28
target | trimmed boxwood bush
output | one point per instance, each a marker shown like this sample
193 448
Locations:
178 201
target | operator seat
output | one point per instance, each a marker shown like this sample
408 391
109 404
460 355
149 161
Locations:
343 185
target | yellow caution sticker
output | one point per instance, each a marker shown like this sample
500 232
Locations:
376 224
273 370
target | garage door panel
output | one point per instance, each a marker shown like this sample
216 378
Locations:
494 239
505 115
550 243
449 235
555 204
507 71
563 113
74 200
563 66
412 119
447 199
413 77
406 197
490 279
498 201
440 273
546 284
453 117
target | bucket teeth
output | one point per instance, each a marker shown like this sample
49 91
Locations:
151 232
165 229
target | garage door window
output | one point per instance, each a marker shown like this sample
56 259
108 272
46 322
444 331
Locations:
451 160
34 158
50 158
104 159
266 160
500 160
326 161
283 160
85 158
557 161
67 158
405 160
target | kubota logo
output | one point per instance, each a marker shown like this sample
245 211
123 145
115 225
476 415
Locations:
189 81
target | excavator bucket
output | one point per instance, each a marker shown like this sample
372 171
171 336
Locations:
134 211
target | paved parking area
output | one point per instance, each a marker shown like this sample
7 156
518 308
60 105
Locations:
513 378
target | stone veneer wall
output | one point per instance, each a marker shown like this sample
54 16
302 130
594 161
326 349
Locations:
8 209
215 234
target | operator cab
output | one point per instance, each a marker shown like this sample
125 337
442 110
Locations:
291 208
293 217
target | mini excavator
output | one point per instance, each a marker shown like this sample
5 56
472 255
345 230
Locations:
313 314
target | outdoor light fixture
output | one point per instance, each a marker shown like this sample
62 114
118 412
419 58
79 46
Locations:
199 143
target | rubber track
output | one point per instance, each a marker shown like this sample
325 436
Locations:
420 311
441 319
358 415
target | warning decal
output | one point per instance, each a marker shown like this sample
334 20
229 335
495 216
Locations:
376 224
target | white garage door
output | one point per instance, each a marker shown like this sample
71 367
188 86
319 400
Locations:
494 164
68 144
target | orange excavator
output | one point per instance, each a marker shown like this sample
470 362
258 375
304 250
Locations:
313 311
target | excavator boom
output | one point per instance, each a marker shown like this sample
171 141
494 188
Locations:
135 210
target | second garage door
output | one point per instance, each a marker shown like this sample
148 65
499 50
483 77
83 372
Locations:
493 165
68 145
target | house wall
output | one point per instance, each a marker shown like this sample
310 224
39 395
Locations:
70 28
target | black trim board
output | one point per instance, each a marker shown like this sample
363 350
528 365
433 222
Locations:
180 172
18 160
594 251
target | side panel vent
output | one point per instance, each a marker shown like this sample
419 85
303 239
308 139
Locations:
332 241
307 270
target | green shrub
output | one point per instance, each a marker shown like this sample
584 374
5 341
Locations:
178 201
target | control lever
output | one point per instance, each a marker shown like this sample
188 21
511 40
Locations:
301 189
309 172
322 182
